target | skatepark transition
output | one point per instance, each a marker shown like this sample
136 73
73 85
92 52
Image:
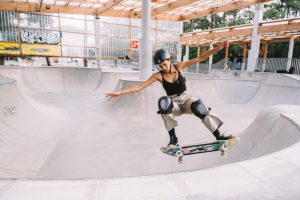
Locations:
61 138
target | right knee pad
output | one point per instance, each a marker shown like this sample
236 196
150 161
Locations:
165 105
199 109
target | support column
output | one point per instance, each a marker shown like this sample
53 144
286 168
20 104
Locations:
97 41
145 53
187 53
2 59
85 52
198 64
244 56
253 52
85 62
266 46
129 36
204 49
210 61
226 57
48 61
179 47
290 54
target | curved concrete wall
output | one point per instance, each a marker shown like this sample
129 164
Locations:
56 124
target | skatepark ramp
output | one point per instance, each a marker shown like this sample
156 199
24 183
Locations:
58 132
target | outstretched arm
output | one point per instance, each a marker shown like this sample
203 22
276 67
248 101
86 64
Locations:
202 57
135 88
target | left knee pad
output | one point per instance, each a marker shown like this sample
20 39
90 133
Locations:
199 109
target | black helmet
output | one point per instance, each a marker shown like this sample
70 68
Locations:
160 56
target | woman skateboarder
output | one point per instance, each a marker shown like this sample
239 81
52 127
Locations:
178 101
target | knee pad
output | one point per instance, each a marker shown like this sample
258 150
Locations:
199 109
165 105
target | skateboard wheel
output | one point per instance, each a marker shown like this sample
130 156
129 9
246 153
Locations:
179 153
180 160
224 154
224 147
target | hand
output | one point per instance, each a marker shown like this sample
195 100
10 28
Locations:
113 94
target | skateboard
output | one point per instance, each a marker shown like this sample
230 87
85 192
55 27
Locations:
219 145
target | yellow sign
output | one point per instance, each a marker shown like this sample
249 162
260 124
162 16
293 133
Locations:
10 48
40 50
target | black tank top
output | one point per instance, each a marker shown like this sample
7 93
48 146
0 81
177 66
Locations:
177 87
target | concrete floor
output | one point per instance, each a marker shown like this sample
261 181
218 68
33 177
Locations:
60 138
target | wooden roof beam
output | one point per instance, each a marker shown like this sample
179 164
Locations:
281 40
172 6
159 1
219 9
279 29
108 5
213 35
40 5
67 2
32 7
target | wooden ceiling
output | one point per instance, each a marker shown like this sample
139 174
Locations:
175 10
273 31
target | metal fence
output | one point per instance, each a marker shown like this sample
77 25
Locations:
74 36
271 65
276 64
204 67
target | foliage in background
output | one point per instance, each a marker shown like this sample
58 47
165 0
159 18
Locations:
273 11
278 9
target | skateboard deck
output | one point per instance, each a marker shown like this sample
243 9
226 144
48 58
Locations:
218 145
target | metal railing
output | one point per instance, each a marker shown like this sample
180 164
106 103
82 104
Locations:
278 64
70 36
204 67
274 65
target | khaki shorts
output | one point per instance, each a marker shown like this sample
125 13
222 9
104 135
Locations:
182 105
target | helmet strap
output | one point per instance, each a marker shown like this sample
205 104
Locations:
157 68
170 68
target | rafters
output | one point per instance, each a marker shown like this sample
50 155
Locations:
178 10
40 5
218 9
108 5
268 31
172 6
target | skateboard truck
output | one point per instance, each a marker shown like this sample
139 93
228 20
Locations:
179 154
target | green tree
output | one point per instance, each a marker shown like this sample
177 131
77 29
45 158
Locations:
187 27
201 23
220 21
296 53
292 7
274 11
278 50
